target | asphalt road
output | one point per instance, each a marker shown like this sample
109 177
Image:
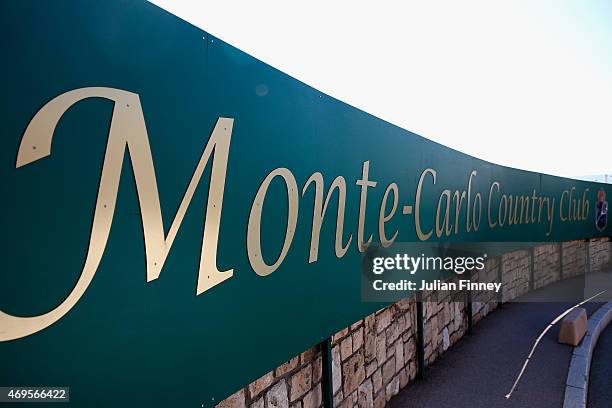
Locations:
600 379
480 369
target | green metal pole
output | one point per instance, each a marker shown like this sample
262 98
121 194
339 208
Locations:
500 278
420 339
587 267
327 380
560 260
531 269
468 307
469 312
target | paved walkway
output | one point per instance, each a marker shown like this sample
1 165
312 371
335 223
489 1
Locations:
480 369
600 379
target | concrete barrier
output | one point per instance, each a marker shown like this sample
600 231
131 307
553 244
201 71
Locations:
577 384
573 327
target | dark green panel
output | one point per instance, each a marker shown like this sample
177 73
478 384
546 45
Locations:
130 342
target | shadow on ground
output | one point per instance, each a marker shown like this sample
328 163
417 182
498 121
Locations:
480 369
600 384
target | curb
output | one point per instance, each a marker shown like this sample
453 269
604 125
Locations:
577 384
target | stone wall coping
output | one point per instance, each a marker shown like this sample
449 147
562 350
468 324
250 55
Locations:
577 384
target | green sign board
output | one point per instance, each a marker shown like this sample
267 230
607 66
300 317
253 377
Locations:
180 218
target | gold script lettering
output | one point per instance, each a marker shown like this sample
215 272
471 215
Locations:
383 218
254 229
364 182
423 236
127 131
319 213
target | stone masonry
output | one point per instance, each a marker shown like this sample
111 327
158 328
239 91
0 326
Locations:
374 358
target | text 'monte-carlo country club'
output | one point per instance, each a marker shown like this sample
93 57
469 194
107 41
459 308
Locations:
128 132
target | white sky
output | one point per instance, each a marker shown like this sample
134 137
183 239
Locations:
526 84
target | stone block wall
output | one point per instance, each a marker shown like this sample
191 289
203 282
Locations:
574 258
444 321
600 254
546 265
296 384
374 358
485 302
516 273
